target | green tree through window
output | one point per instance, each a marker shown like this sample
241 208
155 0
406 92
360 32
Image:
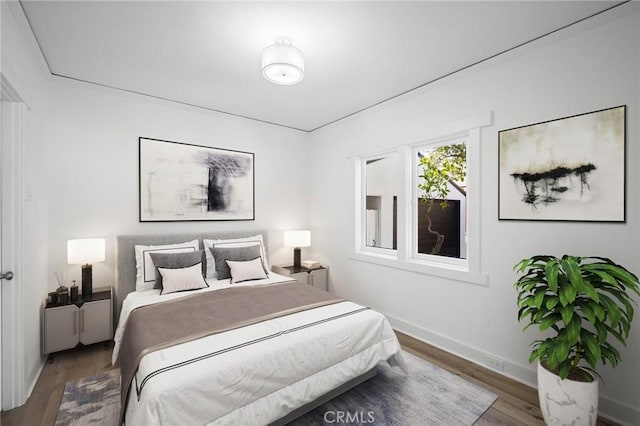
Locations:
439 169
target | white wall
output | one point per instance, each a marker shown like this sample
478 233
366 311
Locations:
93 169
24 68
81 171
587 67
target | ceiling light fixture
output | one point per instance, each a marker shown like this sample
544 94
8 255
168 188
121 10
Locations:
282 63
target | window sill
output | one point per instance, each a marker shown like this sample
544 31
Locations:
442 271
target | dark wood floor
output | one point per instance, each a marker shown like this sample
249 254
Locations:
517 404
42 406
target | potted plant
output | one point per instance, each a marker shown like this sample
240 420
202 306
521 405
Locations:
585 302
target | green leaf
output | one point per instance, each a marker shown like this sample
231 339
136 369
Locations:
591 292
587 310
625 300
562 295
616 334
562 351
573 329
527 301
551 271
590 373
535 353
611 355
539 314
592 345
613 352
602 332
564 370
567 295
600 313
567 314
549 321
618 272
591 358
552 360
523 313
539 298
612 310
603 276
530 283
552 302
570 267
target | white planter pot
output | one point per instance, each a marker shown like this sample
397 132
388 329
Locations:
567 402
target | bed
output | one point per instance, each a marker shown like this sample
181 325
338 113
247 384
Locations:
267 371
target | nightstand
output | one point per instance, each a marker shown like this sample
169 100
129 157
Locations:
314 277
87 320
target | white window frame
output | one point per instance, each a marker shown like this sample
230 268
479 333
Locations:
413 229
361 200
406 256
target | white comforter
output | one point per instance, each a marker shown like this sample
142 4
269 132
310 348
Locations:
243 377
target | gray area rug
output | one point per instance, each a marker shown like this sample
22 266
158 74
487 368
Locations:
93 400
428 395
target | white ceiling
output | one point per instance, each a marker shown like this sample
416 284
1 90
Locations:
357 54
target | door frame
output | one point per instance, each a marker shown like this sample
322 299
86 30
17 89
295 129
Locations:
12 368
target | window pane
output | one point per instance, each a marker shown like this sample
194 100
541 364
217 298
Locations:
441 206
381 202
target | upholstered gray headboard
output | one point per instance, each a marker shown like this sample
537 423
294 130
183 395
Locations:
126 257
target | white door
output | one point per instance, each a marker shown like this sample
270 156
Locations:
12 388
1 270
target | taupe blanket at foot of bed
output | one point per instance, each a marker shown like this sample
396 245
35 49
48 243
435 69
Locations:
153 327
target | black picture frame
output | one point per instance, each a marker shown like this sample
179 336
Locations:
184 182
570 169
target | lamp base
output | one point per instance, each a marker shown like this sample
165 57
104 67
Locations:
87 284
296 257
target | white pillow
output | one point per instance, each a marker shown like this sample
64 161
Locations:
146 270
182 279
232 242
246 270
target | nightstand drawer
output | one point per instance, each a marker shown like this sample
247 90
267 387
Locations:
319 278
61 328
95 322
314 277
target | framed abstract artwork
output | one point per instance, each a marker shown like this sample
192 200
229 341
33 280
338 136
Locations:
569 169
184 182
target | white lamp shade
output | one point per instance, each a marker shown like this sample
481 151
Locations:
297 238
85 250
282 63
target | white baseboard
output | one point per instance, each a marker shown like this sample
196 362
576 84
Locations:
475 355
32 386
624 415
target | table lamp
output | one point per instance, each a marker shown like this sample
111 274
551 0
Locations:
297 239
85 251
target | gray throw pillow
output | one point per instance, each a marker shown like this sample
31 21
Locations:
175 261
237 254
